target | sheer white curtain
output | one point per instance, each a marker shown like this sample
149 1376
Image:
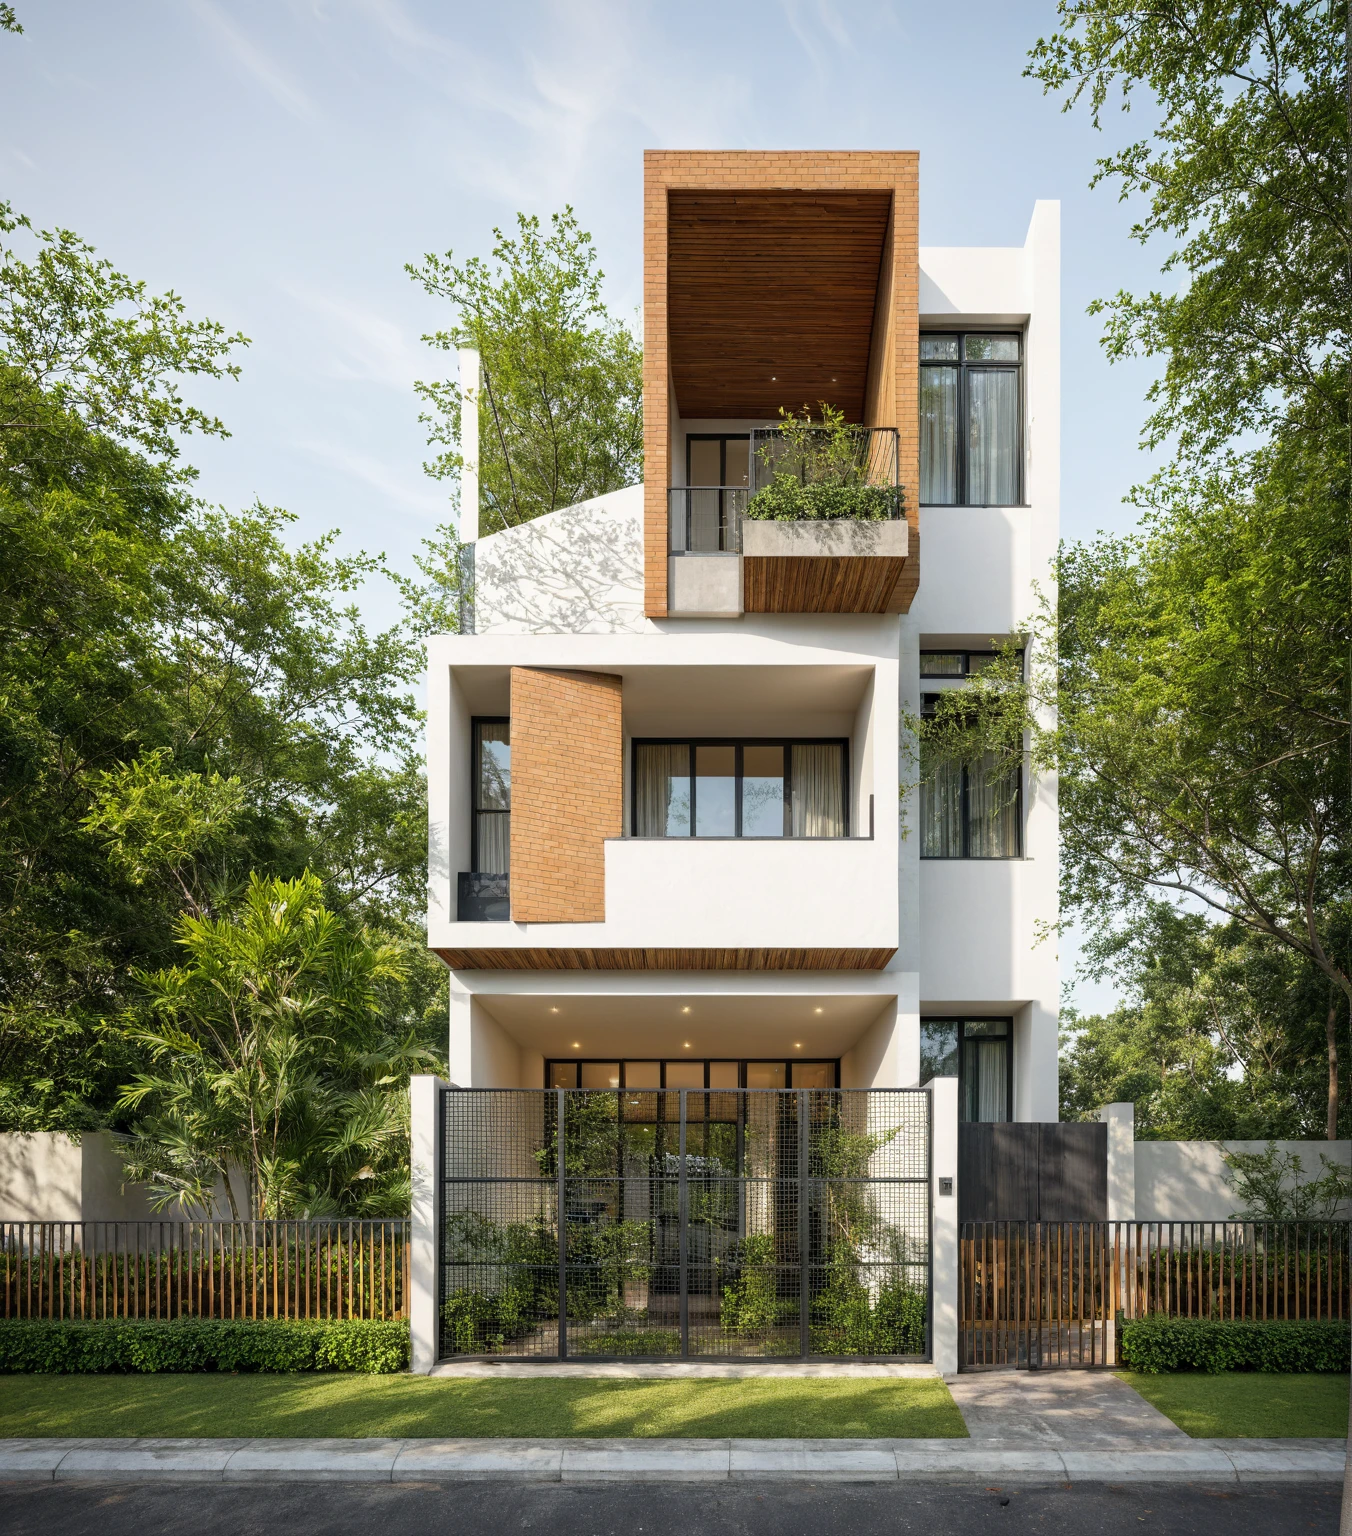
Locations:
662 791
818 791
938 436
495 842
941 811
992 437
992 810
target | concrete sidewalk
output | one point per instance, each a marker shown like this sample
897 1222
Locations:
980 1461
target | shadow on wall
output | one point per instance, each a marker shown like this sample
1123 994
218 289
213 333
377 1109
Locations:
1186 1180
575 571
48 1176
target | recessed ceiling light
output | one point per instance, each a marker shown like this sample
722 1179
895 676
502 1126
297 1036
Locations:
816 1010
685 1009
687 1045
576 1046
798 1045
553 1010
774 378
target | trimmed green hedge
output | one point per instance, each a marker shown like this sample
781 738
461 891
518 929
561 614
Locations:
1194 1344
201 1344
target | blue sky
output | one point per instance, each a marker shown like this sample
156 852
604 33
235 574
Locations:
278 161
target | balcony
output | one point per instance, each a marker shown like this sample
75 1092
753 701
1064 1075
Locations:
819 529
481 898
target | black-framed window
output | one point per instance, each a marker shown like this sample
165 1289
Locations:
980 1054
970 810
491 770
971 418
718 459
747 788
710 1073
956 663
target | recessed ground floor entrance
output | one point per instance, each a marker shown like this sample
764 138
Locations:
684 1222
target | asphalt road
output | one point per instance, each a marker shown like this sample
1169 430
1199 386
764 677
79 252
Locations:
495 1509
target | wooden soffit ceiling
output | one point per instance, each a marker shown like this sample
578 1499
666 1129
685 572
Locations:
770 298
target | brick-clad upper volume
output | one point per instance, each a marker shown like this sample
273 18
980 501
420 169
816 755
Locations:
778 280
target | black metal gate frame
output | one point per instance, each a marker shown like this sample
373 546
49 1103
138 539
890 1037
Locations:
804 1182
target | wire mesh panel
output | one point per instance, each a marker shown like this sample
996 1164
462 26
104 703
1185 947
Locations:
762 1223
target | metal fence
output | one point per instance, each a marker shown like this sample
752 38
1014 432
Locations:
221 1269
1055 1293
752 1222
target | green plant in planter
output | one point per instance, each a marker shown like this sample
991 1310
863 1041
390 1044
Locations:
818 473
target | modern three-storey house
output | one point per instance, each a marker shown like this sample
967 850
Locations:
676 835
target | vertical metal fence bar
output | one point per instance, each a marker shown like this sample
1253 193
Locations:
560 1144
683 1218
804 1229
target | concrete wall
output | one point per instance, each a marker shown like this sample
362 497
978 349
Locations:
46 1176
1186 1180
576 571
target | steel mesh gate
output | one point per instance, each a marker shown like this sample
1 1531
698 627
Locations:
739 1223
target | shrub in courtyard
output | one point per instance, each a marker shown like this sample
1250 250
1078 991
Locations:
1157 1344
203 1344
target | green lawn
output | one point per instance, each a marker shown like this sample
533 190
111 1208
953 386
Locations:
351 1406
1241 1404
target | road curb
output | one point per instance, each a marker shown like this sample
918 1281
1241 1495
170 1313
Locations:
590 1461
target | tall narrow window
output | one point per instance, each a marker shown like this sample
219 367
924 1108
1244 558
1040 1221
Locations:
969 810
971 440
715 478
491 853
978 1052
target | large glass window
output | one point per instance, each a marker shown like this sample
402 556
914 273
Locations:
697 1073
969 810
740 789
491 834
971 440
979 1053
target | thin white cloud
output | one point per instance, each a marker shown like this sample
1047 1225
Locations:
393 483
365 345
259 65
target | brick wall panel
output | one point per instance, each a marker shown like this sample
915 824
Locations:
567 792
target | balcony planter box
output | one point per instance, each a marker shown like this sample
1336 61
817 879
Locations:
840 565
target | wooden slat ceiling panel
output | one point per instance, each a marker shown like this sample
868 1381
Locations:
770 299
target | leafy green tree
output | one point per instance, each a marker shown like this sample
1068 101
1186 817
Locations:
271 1059
187 698
1223 1034
1247 170
562 417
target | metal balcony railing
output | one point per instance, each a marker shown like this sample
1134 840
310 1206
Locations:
482 898
863 459
706 519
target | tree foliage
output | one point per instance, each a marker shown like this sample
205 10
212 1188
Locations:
1247 170
561 417
1222 1034
271 1054
186 698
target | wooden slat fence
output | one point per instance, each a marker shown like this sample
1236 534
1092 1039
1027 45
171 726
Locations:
221 1269
1053 1293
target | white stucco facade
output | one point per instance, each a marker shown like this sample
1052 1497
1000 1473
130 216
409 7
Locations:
566 592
